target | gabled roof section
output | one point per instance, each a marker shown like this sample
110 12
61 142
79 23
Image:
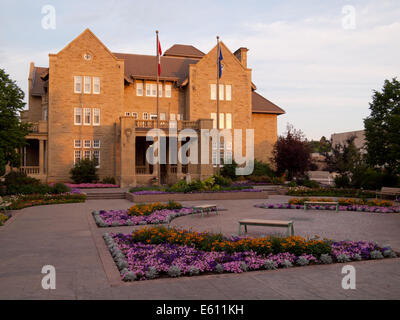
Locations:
139 66
89 32
39 81
184 51
263 105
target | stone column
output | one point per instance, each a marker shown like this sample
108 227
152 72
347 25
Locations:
205 170
41 157
128 152
179 164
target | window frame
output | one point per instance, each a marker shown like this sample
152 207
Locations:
168 91
139 86
213 91
77 145
85 152
84 144
94 85
145 116
230 122
80 115
85 114
94 144
87 80
80 155
97 151
96 110
221 91
76 82
230 92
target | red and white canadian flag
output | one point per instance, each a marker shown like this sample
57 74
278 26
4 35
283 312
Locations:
159 53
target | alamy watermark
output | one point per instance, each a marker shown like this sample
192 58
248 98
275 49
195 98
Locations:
349 17
349 280
49 18
49 280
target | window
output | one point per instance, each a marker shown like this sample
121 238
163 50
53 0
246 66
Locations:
77 156
213 88
96 117
77 116
86 116
87 143
172 116
45 114
88 81
86 154
153 116
168 91
78 84
96 143
134 115
77 144
127 114
228 89
214 118
148 89
139 88
96 157
145 116
96 85
221 121
162 116
151 89
179 117
160 90
229 120
221 92
228 153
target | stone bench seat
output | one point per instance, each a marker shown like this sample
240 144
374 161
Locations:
267 223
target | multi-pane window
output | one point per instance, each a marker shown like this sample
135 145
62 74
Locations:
153 116
127 114
162 116
145 116
221 92
77 156
229 120
228 153
221 121
87 84
134 115
214 119
151 89
78 116
160 88
86 154
78 84
96 143
139 88
96 117
77 144
213 91
87 143
86 116
228 89
168 91
96 85
96 157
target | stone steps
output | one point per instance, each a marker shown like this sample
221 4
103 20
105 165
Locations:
105 195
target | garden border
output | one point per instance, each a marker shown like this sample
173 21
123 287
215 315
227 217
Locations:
162 197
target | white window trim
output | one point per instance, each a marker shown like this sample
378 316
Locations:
96 78
79 145
213 91
145 116
98 166
75 114
228 97
84 144
139 86
229 123
135 115
94 113
75 83
168 91
127 114
84 116
221 91
85 152
94 147
80 155
85 82
153 116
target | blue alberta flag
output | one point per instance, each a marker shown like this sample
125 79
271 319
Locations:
220 58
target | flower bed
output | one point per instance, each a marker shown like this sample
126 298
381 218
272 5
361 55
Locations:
91 185
147 192
20 202
359 208
156 252
345 202
329 192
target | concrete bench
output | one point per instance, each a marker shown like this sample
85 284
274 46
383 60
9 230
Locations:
385 191
333 203
267 223
205 208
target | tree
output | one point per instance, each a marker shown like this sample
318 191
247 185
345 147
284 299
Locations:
292 153
12 131
323 145
382 128
84 171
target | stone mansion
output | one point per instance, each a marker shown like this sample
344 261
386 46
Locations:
94 103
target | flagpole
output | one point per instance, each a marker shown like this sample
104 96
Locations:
218 140
157 121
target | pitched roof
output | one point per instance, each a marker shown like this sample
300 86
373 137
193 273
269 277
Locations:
145 67
38 83
263 105
186 51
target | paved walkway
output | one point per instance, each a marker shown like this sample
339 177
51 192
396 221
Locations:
65 236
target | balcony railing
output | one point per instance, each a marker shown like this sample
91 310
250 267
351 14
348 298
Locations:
30 170
38 127
165 124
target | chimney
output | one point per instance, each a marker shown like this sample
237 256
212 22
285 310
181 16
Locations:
241 54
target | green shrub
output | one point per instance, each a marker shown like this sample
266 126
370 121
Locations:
265 178
229 171
262 169
310 184
292 184
222 181
29 189
342 181
19 178
59 188
108 180
84 171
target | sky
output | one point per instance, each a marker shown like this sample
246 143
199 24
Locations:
318 60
